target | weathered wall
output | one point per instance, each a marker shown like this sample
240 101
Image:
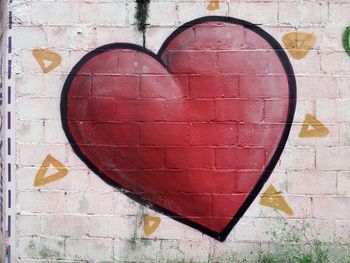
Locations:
3 63
74 215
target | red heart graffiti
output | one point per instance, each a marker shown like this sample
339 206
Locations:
194 131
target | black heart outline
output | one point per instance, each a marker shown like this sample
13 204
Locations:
221 236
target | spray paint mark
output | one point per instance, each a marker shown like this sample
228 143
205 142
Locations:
150 224
317 128
214 5
274 199
41 178
42 56
299 44
141 17
346 40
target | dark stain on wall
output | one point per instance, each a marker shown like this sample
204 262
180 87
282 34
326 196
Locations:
141 17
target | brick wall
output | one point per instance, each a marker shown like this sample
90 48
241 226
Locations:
79 217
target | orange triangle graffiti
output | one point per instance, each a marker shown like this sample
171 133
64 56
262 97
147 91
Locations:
213 5
150 224
274 199
299 44
42 179
42 56
317 128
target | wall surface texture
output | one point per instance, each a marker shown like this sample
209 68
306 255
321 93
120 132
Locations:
189 148
3 78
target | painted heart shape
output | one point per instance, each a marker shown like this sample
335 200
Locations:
194 131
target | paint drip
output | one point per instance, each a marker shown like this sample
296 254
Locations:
141 17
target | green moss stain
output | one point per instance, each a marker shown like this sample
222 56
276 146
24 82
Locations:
141 16
146 242
30 249
46 252
346 40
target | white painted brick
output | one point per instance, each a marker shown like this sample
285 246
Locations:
168 229
51 13
125 205
195 251
339 13
265 13
28 63
136 250
53 132
74 160
342 230
298 158
332 139
299 14
157 35
42 202
70 37
332 158
301 206
90 203
246 250
76 180
312 182
33 154
28 225
194 234
310 65
255 209
327 110
338 253
30 131
29 37
169 252
108 35
63 225
304 107
112 226
103 13
21 12
163 13
317 87
321 229
323 207
193 10
90 249
343 113
343 183
28 84
329 36
41 248
343 84
38 108
249 229
96 184
53 84
336 62
279 180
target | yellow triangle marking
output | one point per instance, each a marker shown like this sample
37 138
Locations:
274 199
299 44
150 224
41 178
43 56
214 5
318 129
